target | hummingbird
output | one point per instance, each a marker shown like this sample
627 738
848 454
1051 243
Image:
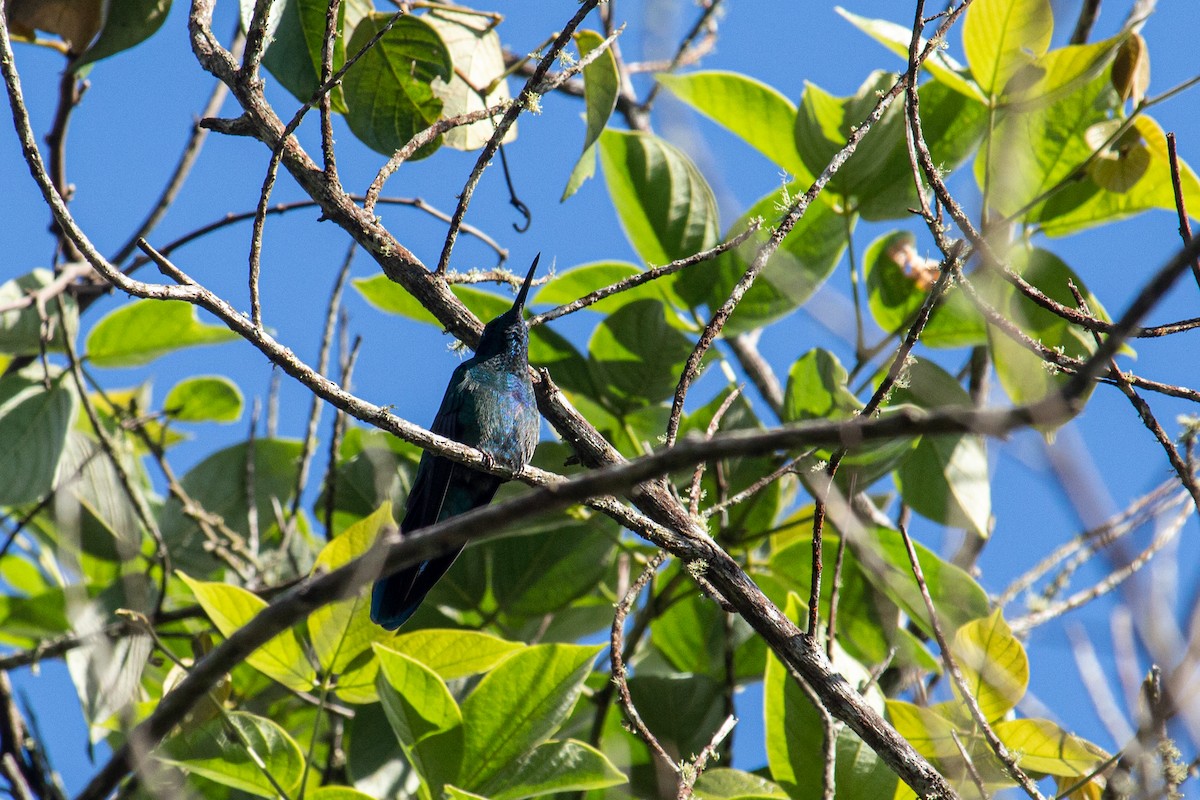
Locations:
489 405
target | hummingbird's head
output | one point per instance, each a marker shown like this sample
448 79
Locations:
507 333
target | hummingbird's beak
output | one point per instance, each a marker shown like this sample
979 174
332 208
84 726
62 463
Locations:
519 303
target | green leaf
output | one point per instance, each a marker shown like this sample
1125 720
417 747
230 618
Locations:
218 484
805 259
108 675
455 654
944 478
478 59
1061 71
637 354
297 40
1128 178
242 759
898 282
455 793
417 702
601 85
816 389
386 295
877 180
204 398
338 793
794 735
554 767
231 607
342 631
665 206
733 784
682 710
1033 151
1002 36
1022 373
540 573
757 113
994 664
389 92
956 595
126 24
518 706
1040 745
569 286
33 432
867 619
21 329
897 38
141 331
745 520
925 729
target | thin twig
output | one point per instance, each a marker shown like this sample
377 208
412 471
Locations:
713 425
527 96
964 689
619 676
1185 226
308 447
1110 581
644 277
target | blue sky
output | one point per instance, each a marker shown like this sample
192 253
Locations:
126 135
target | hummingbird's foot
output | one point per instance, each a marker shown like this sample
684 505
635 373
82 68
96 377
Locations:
489 462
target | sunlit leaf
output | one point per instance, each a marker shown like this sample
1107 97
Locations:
794 735
897 39
733 784
601 86
757 113
342 631
665 206
518 706
204 398
256 756
141 331
1002 36
945 477
1040 745
455 654
554 767
994 664
478 58
417 702
231 607
34 421
389 93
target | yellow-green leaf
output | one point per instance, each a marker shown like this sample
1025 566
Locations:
994 664
231 607
1041 746
342 631
1002 36
140 332
925 729
455 654
241 760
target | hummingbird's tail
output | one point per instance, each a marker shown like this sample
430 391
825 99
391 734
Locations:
396 597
